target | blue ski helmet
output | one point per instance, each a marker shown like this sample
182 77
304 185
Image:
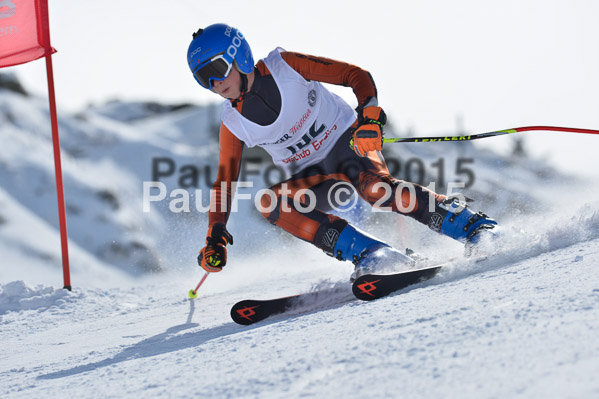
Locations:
214 50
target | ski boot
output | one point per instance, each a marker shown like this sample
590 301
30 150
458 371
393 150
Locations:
454 219
368 254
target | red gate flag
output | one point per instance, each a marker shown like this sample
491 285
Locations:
24 31
24 37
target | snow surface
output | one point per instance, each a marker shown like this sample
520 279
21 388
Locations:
505 328
523 323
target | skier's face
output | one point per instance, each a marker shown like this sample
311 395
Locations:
230 87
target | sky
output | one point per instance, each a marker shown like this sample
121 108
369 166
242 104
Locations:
485 65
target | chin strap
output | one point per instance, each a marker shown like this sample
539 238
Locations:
242 89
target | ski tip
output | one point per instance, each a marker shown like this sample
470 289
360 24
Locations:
244 313
365 286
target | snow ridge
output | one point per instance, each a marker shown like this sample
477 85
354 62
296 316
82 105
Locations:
17 296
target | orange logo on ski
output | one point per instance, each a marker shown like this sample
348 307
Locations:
247 312
368 286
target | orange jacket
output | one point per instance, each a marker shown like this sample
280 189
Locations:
310 68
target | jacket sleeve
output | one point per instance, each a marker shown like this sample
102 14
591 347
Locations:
229 165
335 72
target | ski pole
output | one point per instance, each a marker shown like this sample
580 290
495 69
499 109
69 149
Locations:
194 293
488 134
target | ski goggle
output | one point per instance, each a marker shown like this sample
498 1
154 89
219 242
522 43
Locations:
218 68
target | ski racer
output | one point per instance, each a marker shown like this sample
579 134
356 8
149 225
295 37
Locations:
281 105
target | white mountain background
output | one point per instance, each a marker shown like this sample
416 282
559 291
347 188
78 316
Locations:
522 323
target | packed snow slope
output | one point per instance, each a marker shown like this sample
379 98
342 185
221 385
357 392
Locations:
522 323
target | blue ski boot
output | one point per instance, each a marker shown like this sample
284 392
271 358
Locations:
454 219
368 254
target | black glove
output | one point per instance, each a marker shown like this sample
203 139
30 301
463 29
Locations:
213 256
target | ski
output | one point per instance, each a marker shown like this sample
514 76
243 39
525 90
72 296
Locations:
250 311
373 286
366 287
